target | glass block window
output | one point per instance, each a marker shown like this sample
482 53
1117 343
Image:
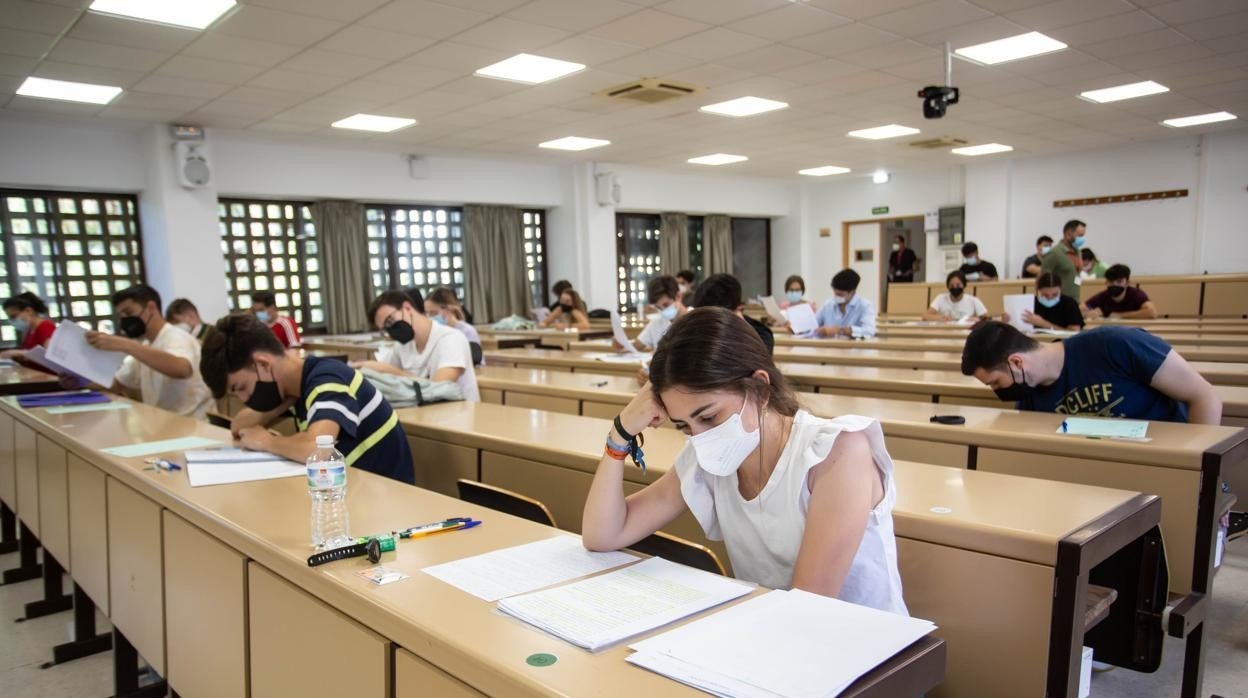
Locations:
422 246
74 250
695 247
637 257
272 246
534 223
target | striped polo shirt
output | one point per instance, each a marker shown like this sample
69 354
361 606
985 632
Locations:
369 434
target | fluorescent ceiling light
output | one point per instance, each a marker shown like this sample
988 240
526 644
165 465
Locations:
823 171
1011 49
881 177
718 159
1121 92
744 106
530 69
881 132
574 143
985 149
195 14
373 122
1212 118
68 91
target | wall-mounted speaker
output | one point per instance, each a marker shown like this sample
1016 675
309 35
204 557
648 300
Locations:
191 164
608 189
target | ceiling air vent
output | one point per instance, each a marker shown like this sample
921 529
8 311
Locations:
941 142
650 90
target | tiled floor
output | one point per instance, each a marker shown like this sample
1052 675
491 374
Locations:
24 646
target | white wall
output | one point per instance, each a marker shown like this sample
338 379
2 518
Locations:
1223 214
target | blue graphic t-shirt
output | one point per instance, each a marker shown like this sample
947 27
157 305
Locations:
1107 373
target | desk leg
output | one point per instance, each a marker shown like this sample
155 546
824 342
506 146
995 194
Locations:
8 530
28 562
54 598
126 672
86 641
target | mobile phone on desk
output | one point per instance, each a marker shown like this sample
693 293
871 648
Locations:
948 419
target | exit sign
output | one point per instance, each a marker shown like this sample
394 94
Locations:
879 210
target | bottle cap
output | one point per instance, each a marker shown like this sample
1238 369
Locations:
324 440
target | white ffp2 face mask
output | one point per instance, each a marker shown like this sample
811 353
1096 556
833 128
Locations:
721 450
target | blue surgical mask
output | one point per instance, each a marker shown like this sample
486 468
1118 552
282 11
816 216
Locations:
794 296
1049 302
970 260
669 313
1044 249
1078 243
19 324
439 319
264 316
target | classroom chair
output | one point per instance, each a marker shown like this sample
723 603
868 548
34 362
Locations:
679 550
219 420
478 355
505 500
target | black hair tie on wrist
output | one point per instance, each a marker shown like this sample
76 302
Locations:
634 444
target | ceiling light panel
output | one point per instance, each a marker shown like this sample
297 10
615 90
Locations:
985 149
882 132
1121 92
744 106
530 69
374 122
1199 119
823 171
574 143
1010 49
64 90
717 159
194 14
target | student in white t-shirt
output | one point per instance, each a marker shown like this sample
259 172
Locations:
799 501
425 349
956 305
662 292
162 362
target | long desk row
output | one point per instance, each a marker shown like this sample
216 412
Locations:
945 387
1004 579
1191 352
959 332
211 587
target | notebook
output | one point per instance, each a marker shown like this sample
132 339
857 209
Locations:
69 348
801 319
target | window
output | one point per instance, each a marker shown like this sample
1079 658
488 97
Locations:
751 255
421 246
695 248
534 221
272 246
637 256
74 250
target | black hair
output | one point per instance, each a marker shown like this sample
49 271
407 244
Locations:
795 279
991 343
265 298
139 293
559 287
846 280
418 301
1087 255
687 275
27 301
1118 272
177 306
229 348
660 286
956 273
1043 239
394 299
1072 225
720 291
969 248
1048 279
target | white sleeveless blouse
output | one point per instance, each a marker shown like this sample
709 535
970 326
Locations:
763 535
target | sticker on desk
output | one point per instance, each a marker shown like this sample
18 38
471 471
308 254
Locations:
381 575
541 659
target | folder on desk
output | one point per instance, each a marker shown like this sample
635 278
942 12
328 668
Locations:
76 397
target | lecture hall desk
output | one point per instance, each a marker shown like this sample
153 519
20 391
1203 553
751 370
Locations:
211 585
997 573
19 380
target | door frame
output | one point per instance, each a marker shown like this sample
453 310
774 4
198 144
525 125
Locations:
845 260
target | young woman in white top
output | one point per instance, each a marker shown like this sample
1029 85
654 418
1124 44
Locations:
800 501
955 305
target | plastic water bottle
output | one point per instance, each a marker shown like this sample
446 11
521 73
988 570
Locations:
327 485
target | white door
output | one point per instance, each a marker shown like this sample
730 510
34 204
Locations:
864 258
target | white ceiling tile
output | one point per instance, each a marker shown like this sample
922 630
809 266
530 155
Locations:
770 58
1139 43
716 43
133 99
1106 28
820 71
459 58
296 81
76 4
1004 6
590 50
572 15
493 7
411 75
928 17
866 80
652 63
124 32
1148 60
789 22
514 36
375 43
648 28
112 111
328 9
73 50
1064 13
223 47
20 66
488 89
314 114
166 85
1069 59
31 104
718 11
895 53
844 39
16 42
315 60
36 16
431 19
863 9
223 114
971 33
261 96
87 73
252 22
283 127
1090 76
1183 11
1226 25
709 75
209 69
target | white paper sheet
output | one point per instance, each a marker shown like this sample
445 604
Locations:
39 355
230 455
634 358
617 333
783 643
1015 304
202 474
801 319
524 568
600 611
773 309
68 347
1105 428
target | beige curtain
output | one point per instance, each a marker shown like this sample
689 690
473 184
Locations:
717 245
673 243
342 246
496 285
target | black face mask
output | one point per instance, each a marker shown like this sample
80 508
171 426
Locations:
401 332
956 292
565 308
1117 291
1014 393
265 396
132 326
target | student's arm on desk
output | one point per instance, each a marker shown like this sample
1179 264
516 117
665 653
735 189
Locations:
552 317
1178 380
1148 311
843 491
448 373
580 319
934 314
248 417
296 447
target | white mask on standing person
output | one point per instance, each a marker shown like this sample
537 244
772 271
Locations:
896 247
722 449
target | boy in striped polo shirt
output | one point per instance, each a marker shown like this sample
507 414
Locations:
244 359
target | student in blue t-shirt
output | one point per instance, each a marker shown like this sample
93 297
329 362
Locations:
1105 372
243 358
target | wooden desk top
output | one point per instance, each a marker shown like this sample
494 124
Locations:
1171 445
1191 352
358 342
986 511
19 380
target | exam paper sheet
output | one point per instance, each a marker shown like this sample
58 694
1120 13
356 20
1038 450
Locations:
524 568
68 348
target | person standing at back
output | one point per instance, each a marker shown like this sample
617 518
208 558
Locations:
264 307
902 262
1031 265
1063 260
